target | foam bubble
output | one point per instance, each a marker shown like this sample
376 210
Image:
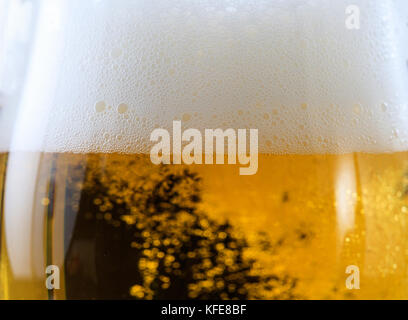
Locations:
104 74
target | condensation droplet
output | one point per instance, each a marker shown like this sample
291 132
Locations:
100 106
122 108
45 202
186 117
116 53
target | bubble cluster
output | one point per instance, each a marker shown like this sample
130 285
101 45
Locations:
104 74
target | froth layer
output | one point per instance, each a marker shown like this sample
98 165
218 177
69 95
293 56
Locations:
104 74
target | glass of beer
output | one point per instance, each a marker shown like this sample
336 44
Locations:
301 191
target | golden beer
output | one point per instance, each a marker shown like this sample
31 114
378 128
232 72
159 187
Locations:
121 227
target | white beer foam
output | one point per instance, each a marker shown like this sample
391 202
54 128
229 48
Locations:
104 74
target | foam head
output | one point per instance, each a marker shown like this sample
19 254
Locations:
104 74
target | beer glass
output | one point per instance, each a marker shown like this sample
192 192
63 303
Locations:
214 149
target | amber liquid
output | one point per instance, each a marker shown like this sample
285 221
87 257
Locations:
119 227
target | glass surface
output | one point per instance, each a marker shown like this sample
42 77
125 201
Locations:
83 84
